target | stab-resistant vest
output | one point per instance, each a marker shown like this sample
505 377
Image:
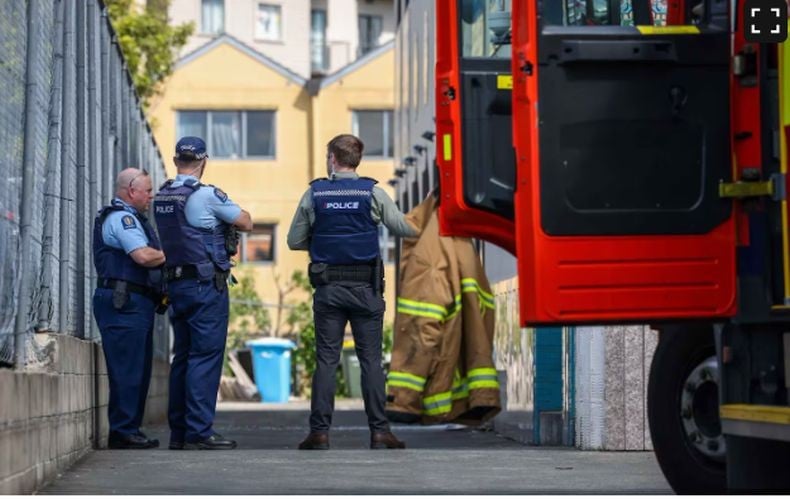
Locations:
114 263
344 232
184 244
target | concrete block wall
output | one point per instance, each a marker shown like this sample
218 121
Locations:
48 412
613 364
604 381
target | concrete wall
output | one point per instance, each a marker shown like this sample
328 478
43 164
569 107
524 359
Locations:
51 416
604 374
612 368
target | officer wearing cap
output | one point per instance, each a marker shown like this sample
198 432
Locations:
337 222
127 254
194 221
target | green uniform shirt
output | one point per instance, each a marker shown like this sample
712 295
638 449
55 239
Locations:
383 210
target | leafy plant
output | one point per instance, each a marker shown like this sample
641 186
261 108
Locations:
149 43
248 317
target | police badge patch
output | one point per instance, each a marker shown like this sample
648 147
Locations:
128 222
220 194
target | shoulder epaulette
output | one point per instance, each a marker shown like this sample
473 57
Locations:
166 183
368 178
316 180
194 184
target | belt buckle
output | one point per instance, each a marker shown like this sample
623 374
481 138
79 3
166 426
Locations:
178 272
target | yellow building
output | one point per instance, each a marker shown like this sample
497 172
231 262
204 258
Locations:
266 129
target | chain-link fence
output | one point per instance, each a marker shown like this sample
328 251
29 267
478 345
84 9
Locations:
69 121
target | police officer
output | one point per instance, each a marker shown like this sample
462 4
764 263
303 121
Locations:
126 253
337 222
194 221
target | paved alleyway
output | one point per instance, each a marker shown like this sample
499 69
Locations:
438 461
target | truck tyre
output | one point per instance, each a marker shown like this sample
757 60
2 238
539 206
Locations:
683 410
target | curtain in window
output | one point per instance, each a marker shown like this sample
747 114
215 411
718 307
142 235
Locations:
318 48
225 135
192 123
213 18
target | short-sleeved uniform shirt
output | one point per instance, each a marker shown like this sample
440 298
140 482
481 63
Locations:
208 206
121 229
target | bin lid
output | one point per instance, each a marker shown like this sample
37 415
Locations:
271 342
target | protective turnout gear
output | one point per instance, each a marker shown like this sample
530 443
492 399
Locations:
185 244
344 232
442 368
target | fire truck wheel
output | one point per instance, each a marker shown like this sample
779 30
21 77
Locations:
683 410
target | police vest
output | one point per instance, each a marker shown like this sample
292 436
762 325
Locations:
344 232
184 244
114 263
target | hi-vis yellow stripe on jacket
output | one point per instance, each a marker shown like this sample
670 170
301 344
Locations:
442 367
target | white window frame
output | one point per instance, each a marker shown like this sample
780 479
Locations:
256 35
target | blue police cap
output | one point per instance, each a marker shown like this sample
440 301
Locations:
191 148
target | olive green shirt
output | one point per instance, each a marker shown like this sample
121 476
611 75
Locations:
383 210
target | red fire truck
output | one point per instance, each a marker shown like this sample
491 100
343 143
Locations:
632 155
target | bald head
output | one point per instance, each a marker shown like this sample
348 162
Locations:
125 178
134 187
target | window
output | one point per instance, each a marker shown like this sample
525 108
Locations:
268 22
374 128
386 245
319 51
484 28
258 245
231 134
369 33
212 20
600 12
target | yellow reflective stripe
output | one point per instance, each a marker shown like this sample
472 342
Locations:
422 309
455 308
404 384
469 281
460 390
400 374
475 385
406 380
484 371
483 377
469 284
423 305
440 403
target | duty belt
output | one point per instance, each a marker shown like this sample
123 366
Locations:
322 273
354 273
130 287
181 272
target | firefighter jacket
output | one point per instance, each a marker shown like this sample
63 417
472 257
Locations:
442 368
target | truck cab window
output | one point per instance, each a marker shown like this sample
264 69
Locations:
485 28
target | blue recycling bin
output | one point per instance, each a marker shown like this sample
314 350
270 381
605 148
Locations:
271 364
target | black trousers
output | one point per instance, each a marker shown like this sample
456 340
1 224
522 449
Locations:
334 305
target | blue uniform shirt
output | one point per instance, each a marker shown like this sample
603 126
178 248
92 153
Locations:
123 231
208 205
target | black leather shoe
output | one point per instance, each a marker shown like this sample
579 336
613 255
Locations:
119 441
175 445
214 442
154 441
385 440
315 441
